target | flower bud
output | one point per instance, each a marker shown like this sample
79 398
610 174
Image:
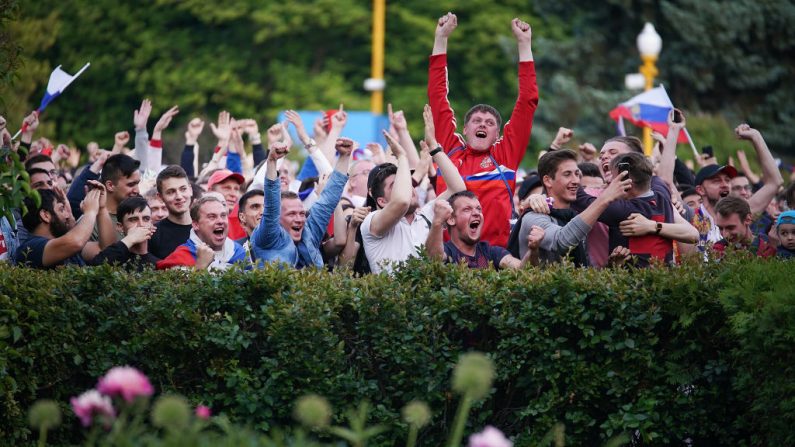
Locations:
473 375
44 414
417 414
171 413
312 411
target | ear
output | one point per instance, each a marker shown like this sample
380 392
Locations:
119 227
195 226
547 181
451 221
748 220
700 190
381 202
109 186
45 216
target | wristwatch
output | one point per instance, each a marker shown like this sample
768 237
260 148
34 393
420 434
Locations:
659 228
310 143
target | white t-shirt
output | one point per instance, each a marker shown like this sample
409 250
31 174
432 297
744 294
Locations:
399 243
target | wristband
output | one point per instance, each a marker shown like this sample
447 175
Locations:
659 228
436 151
310 143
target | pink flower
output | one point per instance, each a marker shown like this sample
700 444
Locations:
489 437
125 381
203 412
90 403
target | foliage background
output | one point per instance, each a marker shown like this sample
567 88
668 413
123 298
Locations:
723 61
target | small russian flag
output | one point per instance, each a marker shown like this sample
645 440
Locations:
648 109
58 82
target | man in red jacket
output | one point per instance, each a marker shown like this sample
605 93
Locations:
487 162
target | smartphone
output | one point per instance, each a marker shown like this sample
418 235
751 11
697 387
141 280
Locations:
707 150
623 167
677 116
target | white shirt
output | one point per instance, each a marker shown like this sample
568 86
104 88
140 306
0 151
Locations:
399 243
714 232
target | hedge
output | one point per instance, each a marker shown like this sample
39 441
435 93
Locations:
699 352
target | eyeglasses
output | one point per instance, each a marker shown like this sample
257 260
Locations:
739 188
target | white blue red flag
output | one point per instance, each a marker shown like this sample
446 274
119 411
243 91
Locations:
648 109
58 82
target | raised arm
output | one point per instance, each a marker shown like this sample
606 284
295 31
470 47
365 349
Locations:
665 170
449 172
338 122
400 199
771 177
73 241
140 118
435 241
188 158
30 124
322 163
397 121
269 231
155 159
438 85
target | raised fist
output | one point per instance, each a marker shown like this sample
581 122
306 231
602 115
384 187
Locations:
441 211
446 24
521 30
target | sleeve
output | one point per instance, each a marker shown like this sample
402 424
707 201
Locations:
324 207
77 191
155 155
613 215
142 148
186 160
516 134
443 115
269 233
496 253
259 153
450 255
557 239
31 253
116 253
233 162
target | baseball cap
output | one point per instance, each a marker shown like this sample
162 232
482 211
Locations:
713 170
530 182
786 217
222 175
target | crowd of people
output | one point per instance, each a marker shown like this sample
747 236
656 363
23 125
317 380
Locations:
462 195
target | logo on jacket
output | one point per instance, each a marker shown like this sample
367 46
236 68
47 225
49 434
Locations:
486 163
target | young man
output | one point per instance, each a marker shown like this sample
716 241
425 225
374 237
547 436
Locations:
250 207
156 205
285 234
733 217
463 215
55 239
228 184
208 246
136 226
396 228
564 230
176 192
487 162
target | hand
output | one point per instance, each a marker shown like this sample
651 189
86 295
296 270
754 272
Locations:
99 163
236 142
617 189
678 206
223 131
430 128
358 216
563 136
637 225
195 127
706 160
396 119
521 30
165 120
60 153
320 184
275 133
74 157
674 125
319 129
394 145
742 158
535 237
537 203
446 24
92 185
278 150
618 257
658 138
90 204
339 119
587 151
344 146
120 141
294 118
204 256
32 122
746 132
141 116
248 126
377 152
441 212
138 234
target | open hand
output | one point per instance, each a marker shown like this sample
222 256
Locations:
430 128
394 145
637 225
195 127
339 119
165 119
223 131
141 115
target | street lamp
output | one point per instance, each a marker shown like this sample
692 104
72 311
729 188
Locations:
649 46
375 84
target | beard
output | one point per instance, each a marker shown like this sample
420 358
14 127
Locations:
58 227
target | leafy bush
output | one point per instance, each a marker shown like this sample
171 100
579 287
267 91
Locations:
697 351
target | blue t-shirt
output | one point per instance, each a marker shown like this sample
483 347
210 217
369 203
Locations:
31 253
484 253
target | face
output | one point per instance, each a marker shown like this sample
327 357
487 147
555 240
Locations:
139 218
176 193
251 215
284 177
733 228
481 131
124 187
694 201
741 187
611 150
592 182
41 180
389 183
61 221
158 209
786 234
466 222
293 218
230 189
715 188
47 166
212 225
563 188
357 183
93 151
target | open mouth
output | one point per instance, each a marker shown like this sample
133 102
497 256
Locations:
605 168
724 194
480 134
474 225
218 232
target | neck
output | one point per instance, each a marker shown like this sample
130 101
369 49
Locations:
111 205
180 219
464 247
559 202
43 231
709 206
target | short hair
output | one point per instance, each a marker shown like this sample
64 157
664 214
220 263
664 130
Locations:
377 188
634 143
36 159
150 194
198 192
196 207
32 171
465 193
549 162
733 205
485 108
248 195
640 168
172 171
129 206
31 219
118 166
289 195
590 170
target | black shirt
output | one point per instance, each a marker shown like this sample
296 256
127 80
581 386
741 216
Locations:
168 237
118 253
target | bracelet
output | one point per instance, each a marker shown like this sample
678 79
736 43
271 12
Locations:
659 228
436 151
310 143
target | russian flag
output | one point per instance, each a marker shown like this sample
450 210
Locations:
648 109
58 82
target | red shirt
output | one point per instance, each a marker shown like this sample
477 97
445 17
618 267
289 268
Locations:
486 172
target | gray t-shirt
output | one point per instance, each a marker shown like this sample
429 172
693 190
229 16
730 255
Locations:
558 240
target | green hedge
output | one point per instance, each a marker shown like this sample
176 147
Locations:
699 352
